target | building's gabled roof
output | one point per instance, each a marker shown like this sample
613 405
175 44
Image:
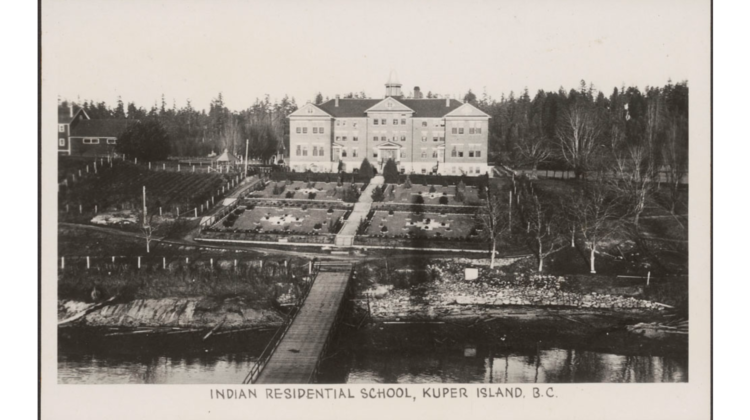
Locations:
63 114
348 108
100 128
310 110
227 156
423 108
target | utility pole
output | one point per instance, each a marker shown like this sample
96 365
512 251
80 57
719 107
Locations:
144 205
247 147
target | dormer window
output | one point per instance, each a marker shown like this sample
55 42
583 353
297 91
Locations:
309 110
390 104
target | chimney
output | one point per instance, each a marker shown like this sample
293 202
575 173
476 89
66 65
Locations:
71 109
447 101
337 101
417 93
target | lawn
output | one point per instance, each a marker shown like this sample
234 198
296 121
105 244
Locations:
424 225
275 219
329 191
430 194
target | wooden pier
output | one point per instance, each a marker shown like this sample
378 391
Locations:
294 356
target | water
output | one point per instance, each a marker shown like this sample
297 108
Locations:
390 355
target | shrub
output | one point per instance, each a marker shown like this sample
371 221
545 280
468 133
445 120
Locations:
459 196
407 183
365 170
311 196
432 189
318 226
419 200
384 229
443 200
378 194
289 194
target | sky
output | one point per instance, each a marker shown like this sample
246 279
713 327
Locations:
194 49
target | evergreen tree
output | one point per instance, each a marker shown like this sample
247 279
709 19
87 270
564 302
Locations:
390 172
146 140
365 170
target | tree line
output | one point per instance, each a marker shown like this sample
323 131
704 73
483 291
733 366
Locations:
192 132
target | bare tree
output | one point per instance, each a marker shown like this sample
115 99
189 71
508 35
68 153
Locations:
596 215
578 134
675 154
494 218
533 150
544 225
635 159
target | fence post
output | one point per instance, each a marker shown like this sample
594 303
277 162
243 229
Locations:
235 263
212 263
136 161
648 278
193 168
178 212
62 263
149 165
87 168
163 262
212 200
139 262
164 166
79 174
187 260
113 259
196 212
80 209
159 211
67 208
178 167
96 209
201 210
88 262
309 268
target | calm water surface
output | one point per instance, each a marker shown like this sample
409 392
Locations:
358 363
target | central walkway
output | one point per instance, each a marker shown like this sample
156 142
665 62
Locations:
345 237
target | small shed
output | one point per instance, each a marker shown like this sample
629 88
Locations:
227 158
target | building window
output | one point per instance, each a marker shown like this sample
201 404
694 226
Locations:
320 130
299 150
454 130
403 121
479 130
354 125
375 121
338 138
343 138
111 141
403 138
453 169
354 152
460 153
382 121
320 151
453 152
424 153
315 130
424 123
304 130
343 153
382 138
61 141
424 171
343 123
434 153
375 138
90 141
315 150
395 122
355 138
471 130
460 130
304 151
61 128
299 130
434 138
338 123
375 154
479 153
424 139
309 110
471 153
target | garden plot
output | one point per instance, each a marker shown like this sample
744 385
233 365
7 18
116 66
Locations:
408 224
430 194
275 219
302 190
